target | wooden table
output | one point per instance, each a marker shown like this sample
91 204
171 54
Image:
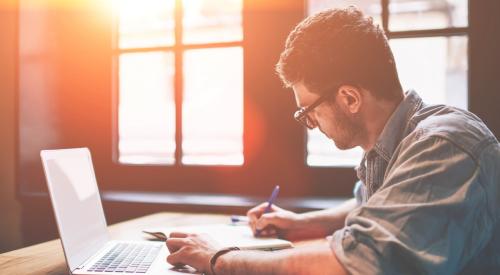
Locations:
48 257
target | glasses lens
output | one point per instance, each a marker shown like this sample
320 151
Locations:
303 119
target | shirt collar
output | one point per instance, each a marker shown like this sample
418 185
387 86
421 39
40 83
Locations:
395 127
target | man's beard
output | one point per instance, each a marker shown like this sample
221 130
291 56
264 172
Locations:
348 129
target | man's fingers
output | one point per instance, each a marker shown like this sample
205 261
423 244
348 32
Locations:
266 220
174 244
251 224
259 220
175 259
178 235
270 231
256 212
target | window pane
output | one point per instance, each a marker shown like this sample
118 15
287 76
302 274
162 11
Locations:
427 14
321 151
146 111
435 67
369 7
145 23
212 110
208 21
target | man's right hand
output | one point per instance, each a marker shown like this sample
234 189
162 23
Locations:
278 222
288 225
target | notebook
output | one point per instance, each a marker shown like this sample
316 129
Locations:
226 235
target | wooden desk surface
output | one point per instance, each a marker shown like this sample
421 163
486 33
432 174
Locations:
48 257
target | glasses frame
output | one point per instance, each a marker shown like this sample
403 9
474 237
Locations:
301 115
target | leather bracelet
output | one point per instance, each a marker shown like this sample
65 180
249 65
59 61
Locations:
219 253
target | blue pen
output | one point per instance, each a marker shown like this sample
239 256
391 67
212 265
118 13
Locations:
270 202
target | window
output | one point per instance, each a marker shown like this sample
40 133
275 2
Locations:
64 97
429 41
179 82
274 144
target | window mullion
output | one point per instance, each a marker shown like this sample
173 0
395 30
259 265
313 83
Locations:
385 15
178 89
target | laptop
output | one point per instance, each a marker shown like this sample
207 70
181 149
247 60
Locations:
82 226
83 231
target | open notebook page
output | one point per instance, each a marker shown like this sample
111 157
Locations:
226 235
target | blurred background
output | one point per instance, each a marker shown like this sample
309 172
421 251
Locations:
181 108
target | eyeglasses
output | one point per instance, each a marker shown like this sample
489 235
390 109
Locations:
301 115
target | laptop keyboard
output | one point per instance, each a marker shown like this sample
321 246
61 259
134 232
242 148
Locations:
127 258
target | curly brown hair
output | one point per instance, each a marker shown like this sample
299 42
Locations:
340 46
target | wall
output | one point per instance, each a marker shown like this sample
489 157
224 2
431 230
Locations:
10 237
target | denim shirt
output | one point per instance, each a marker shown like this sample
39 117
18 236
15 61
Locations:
429 197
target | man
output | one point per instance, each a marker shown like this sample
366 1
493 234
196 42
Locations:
428 200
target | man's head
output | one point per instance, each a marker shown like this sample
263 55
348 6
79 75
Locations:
342 53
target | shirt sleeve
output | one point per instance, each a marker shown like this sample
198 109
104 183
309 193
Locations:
428 217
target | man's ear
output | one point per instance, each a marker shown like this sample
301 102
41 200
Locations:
350 98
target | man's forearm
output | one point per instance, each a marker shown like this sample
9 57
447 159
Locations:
314 259
331 219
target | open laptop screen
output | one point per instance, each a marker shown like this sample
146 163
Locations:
76 202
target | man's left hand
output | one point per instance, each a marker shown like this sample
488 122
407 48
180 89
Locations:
191 249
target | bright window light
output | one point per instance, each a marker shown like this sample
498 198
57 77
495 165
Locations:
321 151
436 67
213 107
146 110
215 21
427 14
151 64
145 23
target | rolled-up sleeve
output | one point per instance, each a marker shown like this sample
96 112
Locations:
430 216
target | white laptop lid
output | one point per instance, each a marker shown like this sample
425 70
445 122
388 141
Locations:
76 202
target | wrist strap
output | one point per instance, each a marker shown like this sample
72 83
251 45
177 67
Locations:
219 253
